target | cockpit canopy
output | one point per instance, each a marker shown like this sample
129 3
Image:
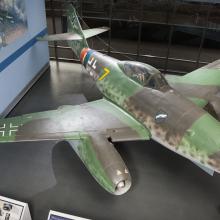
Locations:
144 74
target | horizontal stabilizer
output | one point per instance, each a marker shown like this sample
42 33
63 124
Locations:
204 168
60 37
94 31
73 36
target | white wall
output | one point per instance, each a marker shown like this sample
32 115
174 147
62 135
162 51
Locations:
22 60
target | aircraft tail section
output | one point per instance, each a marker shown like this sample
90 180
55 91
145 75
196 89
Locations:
76 36
74 26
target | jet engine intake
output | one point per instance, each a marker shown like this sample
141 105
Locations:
103 162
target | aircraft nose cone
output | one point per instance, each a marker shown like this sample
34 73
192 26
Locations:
201 143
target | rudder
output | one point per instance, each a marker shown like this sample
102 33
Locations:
74 26
75 36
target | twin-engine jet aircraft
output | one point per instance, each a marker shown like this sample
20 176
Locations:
181 113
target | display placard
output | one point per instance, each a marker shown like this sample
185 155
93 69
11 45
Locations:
53 215
13 210
10 211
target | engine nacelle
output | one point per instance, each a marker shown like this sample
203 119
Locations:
103 162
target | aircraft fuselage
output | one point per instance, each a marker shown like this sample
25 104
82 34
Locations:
173 120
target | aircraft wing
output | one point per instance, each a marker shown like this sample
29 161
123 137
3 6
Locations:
60 37
73 36
200 85
90 129
72 122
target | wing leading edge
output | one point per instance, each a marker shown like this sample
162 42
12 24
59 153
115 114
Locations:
89 128
70 122
200 86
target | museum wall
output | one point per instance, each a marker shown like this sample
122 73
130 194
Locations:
23 59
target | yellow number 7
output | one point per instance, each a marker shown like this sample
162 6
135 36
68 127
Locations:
106 72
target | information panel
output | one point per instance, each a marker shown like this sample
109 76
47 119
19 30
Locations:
13 210
53 215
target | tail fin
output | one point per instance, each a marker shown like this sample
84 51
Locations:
75 27
76 37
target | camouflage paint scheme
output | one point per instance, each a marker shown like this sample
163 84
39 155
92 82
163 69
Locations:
203 90
82 126
138 104
185 128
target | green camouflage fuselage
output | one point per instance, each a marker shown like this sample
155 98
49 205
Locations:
186 128
139 104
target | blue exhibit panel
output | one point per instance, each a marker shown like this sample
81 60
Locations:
22 60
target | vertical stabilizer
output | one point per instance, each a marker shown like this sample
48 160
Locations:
75 36
75 27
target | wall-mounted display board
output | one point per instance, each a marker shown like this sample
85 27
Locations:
13 20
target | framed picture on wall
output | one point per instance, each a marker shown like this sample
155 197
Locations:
13 21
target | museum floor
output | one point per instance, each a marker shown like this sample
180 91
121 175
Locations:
49 175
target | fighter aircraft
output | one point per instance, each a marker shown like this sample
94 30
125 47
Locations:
139 103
